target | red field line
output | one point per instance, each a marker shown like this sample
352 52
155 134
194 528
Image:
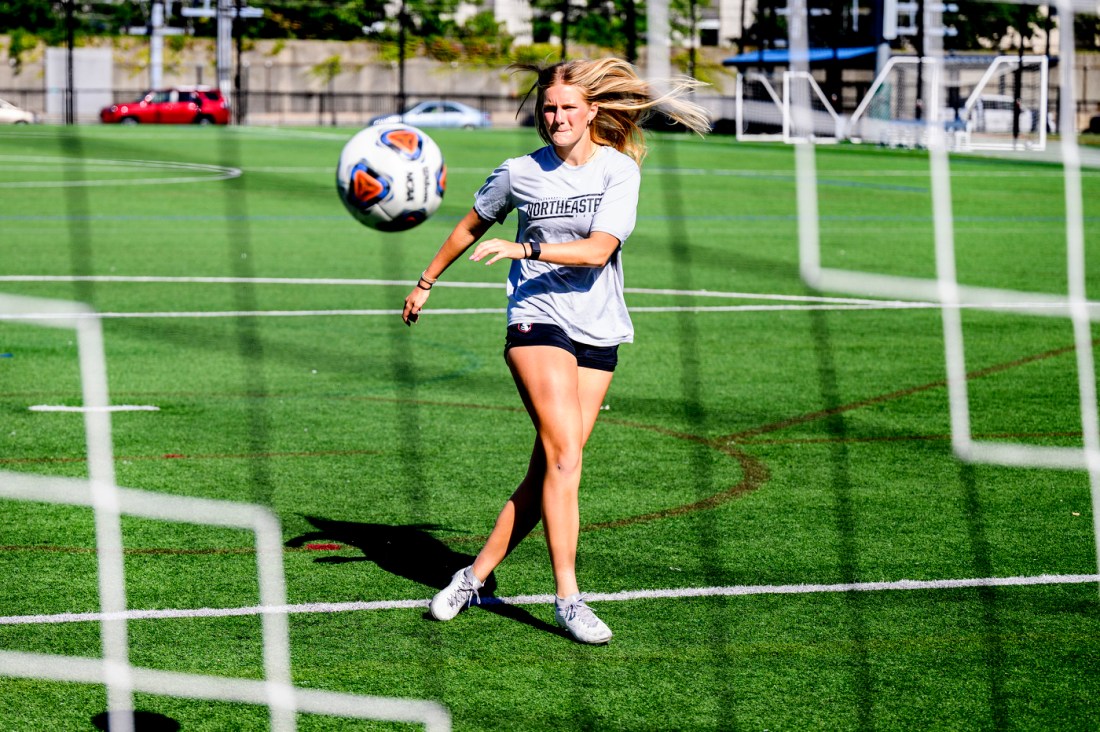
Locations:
754 471
214 456
890 396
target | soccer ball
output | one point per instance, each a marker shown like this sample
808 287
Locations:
391 177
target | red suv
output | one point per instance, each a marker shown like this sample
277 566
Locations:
178 105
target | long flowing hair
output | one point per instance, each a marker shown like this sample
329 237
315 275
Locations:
625 101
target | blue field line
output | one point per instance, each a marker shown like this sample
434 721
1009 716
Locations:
791 178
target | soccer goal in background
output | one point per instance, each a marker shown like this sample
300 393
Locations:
766 114
1006 108
997 104
818 121
759 109
891 112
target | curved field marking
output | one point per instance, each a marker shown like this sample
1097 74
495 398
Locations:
754 473
754 470
201 173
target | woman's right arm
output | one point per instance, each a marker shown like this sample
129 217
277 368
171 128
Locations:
471 228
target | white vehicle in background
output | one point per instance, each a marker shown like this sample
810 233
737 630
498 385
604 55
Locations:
993 113
13 115
438 113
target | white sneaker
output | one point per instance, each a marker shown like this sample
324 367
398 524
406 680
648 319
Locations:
461 592
574 615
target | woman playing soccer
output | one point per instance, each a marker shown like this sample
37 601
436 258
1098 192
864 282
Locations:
577 200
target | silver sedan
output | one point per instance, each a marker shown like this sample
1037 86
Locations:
437 113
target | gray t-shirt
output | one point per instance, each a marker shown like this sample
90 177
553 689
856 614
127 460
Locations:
560 203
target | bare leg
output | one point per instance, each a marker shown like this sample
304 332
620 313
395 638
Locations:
563 402
520 514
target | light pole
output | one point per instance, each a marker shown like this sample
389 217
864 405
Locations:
402 21
69 110
692 8
564 29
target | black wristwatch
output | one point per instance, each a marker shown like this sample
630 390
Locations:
536 250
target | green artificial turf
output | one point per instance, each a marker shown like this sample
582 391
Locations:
739 447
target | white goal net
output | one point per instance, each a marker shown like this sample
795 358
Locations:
759 108
886 110
986 103
1006 107
892 111
807 113
109 503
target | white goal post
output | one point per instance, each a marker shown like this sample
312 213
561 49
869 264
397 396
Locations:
989 103
759 109
799 112
888 113
807 114
1007 108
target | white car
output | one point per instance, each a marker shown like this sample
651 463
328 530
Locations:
13 115
438 113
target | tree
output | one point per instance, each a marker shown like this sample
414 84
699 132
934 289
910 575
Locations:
768 28
430 18
1086 31
613 24
32 16
484 39
982 25
307 19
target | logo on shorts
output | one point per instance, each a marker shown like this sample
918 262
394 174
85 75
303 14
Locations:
524 327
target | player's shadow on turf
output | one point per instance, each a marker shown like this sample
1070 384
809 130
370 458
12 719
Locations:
408 551
143 722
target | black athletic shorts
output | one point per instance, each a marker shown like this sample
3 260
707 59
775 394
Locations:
603 358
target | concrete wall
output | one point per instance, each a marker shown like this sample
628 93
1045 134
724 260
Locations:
1088 87
92 71
272 68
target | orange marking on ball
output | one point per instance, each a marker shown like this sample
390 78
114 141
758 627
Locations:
406 140
366 186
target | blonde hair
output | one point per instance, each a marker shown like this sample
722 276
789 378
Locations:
624 101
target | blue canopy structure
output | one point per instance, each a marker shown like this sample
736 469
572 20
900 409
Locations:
782 56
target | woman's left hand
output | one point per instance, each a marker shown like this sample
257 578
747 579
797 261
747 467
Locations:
497 249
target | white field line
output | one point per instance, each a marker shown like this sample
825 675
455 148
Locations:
331 281
201 172
801 302
629 595
798 302
881 305
116 408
